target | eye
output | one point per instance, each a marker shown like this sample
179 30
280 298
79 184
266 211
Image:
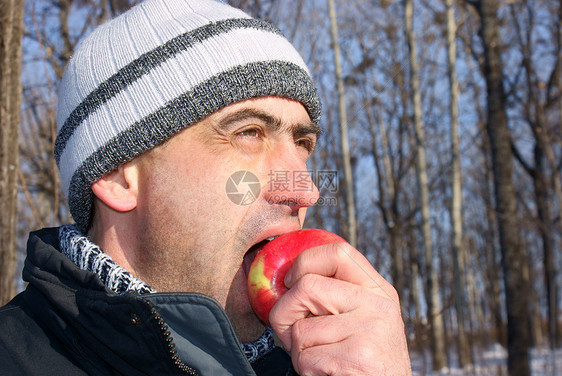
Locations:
305 143
252 133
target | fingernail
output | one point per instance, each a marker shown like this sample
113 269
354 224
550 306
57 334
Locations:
288 278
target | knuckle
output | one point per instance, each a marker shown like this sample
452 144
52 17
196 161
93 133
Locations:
365 352
370 327
393 294
275 317
390 307
363 357
313 362
298 335
308 284
394 308
342 251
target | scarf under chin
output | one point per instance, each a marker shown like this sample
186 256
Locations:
88 256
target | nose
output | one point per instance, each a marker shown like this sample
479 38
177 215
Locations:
289 182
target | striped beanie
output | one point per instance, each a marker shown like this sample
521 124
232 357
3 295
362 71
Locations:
165 64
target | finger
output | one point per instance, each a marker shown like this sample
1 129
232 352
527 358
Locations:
316 295
340 261
320 330
384 333
355 356
342 358
311 361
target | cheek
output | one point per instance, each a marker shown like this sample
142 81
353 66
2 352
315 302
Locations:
192 198
187 183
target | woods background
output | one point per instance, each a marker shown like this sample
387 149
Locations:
442 120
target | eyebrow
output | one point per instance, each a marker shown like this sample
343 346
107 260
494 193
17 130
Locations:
274 123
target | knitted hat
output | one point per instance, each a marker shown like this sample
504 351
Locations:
158 68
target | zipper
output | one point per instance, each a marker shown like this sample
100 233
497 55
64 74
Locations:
172 352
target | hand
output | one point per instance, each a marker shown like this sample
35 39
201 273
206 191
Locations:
340 317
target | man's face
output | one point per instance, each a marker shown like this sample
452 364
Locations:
195 233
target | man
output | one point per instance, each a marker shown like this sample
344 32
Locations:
157 110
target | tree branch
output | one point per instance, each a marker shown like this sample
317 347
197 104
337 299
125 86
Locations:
521 160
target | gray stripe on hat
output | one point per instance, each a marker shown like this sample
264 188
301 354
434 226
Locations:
269 78
142 66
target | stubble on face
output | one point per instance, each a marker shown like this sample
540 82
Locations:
174 259
192 238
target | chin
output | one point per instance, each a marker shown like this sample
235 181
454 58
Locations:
248 328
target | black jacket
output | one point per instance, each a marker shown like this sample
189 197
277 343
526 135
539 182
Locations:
67 323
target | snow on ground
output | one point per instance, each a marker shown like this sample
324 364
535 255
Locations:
492 362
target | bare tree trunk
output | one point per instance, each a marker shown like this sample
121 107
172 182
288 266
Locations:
414 292
559 47
535 111
490 251
456 199
556 179
346 155
535 319
545 229
491 271
419 323
516 283
387 200
434 301
11 30
475 313
489 254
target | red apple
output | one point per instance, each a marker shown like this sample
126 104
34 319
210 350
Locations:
267 272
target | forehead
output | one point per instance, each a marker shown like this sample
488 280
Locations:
275 110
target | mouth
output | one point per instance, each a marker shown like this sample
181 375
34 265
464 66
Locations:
252 251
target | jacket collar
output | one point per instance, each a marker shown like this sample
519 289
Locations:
130 333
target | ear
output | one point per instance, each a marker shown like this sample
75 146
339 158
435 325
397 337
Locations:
119 188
